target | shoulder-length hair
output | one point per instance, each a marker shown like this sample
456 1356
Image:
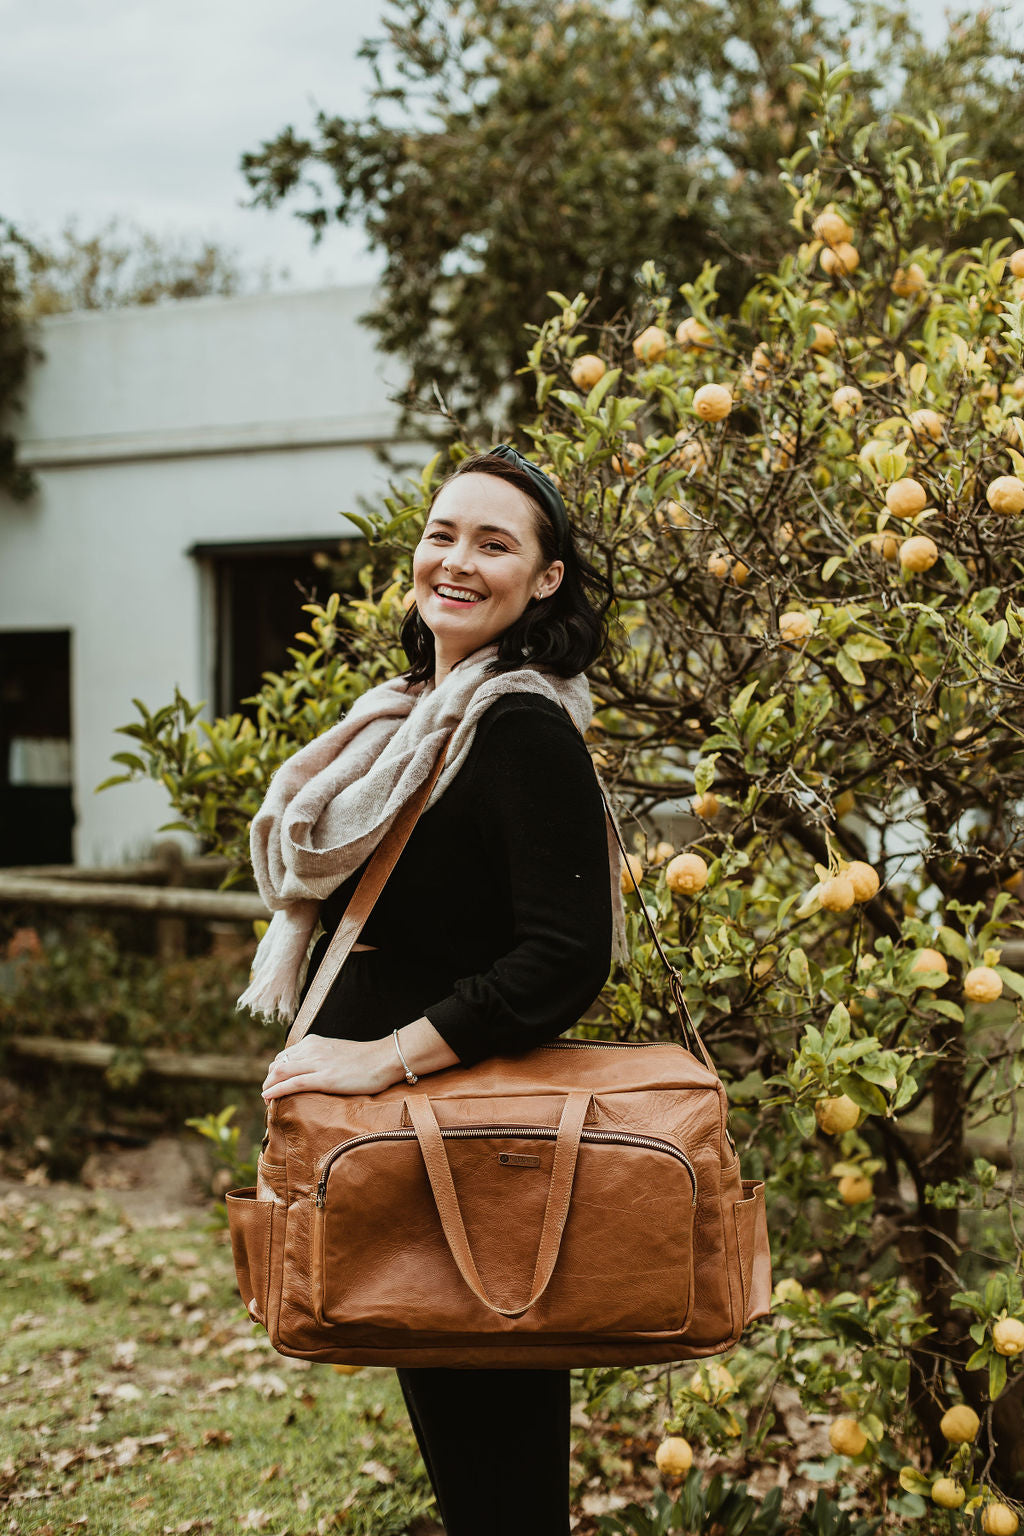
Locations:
563 633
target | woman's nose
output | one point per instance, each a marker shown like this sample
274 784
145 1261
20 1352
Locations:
457 560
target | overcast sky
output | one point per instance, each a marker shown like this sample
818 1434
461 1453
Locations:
141 109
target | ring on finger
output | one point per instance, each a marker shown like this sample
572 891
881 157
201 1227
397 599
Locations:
282 1056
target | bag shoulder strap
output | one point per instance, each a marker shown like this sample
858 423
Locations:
364 897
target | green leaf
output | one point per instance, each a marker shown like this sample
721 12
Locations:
996 1375
849 667
867 648
1011 979
953 943
913 1481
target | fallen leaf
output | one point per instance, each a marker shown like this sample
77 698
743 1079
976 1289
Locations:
376 1470
217 1437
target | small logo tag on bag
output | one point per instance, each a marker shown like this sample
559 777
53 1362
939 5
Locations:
518 1160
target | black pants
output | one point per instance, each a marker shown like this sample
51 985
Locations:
496 1447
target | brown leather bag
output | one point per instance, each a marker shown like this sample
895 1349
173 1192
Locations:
580 1204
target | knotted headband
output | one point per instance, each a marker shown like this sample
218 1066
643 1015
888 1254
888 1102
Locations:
546 491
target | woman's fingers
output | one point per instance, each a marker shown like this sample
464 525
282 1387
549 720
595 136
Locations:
302 1083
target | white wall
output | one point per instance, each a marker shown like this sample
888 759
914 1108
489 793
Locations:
153 429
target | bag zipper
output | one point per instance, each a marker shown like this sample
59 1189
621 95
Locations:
469 1132
600 1045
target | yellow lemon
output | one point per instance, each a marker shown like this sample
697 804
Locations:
1016 262
836 1115
906 497
925 423
823 338
651 345
712 402
719 566
847 400
854 1189
675 514
929 960
998 1520
836 894
706 806
846 1436
347 1370
409 600
587 370
1006 494
691 333
908 281
1008 1336
864 879
795 625
686 874
674 1457
839 260
831 227
691 454
983 984
662 852
959 1424
918 553
887 545
633 863
947 1493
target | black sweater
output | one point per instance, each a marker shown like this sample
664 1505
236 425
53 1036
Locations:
496 921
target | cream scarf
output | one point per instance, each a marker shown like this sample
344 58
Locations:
329 805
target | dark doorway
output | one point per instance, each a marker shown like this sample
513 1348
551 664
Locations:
36 805
259 590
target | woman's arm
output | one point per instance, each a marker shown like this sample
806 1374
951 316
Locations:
321 1065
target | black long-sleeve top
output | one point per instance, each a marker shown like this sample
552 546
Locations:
496 921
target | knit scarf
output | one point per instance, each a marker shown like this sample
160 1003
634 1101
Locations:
329 805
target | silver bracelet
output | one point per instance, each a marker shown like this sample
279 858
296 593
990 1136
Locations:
410 1075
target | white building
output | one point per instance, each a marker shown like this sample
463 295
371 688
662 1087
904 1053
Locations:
191 459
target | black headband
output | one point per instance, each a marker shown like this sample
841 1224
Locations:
547 492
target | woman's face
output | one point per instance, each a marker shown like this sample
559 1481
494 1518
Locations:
478 564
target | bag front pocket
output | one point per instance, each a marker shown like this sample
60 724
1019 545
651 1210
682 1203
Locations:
381 1256
250 1222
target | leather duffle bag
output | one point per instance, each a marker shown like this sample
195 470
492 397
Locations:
579 1204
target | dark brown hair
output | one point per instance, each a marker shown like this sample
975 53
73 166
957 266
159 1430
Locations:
563 633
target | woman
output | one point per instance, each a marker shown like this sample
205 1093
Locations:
495 930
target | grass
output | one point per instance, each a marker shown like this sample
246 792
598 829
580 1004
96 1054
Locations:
135 1395
136 1398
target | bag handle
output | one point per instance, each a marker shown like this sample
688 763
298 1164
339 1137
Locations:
373 880
563 1169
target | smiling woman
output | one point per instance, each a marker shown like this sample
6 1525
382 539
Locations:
494 931
497 561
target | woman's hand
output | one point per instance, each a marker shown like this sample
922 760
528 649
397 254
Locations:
319 1065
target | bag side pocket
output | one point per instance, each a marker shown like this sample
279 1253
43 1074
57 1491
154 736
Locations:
250 1222
755 1255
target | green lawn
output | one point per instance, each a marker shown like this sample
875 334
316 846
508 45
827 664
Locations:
135 1395
136 1398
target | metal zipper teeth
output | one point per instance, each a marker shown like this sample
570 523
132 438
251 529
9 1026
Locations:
601 1045
464 1133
